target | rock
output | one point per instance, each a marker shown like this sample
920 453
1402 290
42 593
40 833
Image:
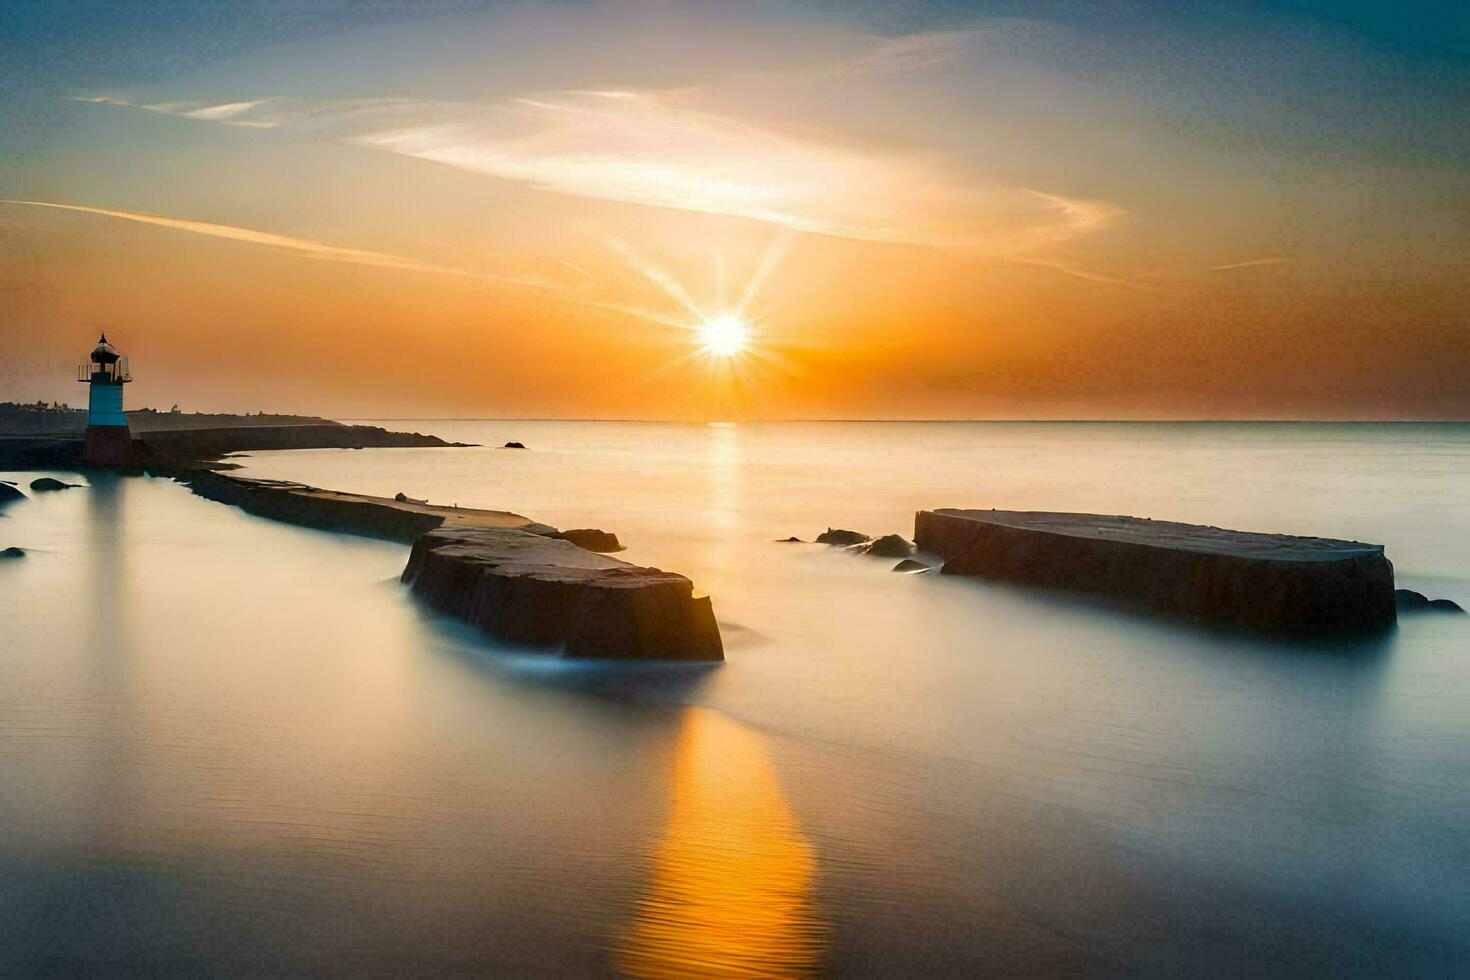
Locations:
13 552
592 539
791 540
909 565
1265 581
514 445
891 546
404 498
840 537
46 483
1408 600
8 492
548 592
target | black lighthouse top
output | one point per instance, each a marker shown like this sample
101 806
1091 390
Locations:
106 365
104 353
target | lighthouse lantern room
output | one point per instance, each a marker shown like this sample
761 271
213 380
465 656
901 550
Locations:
105 372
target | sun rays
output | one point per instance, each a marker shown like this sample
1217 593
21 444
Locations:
732 348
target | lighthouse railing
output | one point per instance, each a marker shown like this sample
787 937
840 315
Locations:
115 373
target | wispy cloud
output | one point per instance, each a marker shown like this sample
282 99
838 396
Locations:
910 52
306 246
656 149
1249 263
1067 269
225 112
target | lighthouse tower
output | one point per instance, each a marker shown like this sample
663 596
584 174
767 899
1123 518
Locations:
105 373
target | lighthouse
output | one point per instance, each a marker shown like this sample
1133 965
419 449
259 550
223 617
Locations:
105 373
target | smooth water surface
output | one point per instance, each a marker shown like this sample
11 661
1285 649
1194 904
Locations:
230 745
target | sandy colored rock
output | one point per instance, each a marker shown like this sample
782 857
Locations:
1269 581
548 592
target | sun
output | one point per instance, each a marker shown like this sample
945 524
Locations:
724 336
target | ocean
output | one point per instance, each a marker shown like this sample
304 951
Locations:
232 746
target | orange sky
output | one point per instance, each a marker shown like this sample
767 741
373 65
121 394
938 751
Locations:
525 212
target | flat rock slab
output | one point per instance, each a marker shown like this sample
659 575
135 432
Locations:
1269 581
542 591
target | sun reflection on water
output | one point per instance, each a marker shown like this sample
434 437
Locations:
731 892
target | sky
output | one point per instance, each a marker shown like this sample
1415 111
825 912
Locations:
940 210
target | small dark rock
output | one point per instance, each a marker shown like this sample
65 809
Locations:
1408 599
909 565
8 493
404 498
791 540
891 546
593 539
12 553
841 537
515 445
46 483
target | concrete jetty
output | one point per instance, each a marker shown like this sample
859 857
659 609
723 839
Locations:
1268 581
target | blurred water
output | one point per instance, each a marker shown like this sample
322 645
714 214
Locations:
228 745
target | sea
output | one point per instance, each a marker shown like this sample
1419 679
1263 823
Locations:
230 746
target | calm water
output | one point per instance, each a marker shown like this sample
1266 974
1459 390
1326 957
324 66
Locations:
234 746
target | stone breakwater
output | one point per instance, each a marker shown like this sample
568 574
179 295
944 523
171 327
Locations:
180 449
509 576
199 444
1267 581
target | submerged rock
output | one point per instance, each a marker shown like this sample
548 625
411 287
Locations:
1410 601
791 540
1266 581
891 546
909 565
13 552
839 536
593 539
46 483
514 445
